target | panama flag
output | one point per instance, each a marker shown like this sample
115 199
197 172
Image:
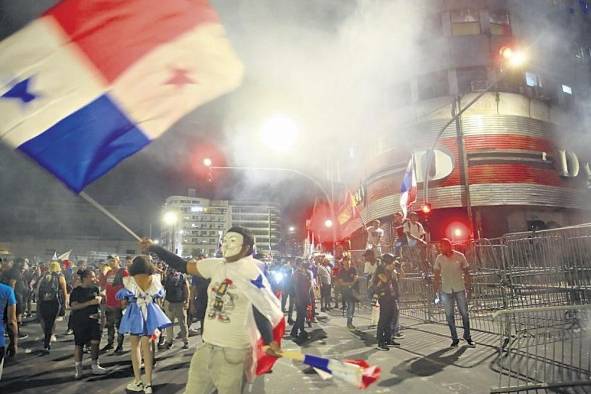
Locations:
408 189
258 291
91 82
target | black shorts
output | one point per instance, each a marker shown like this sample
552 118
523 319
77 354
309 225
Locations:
86 331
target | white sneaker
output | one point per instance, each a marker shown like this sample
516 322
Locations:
98 370
148 389
78 372
53 338
136 386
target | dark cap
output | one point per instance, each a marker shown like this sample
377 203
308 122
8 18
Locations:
388 258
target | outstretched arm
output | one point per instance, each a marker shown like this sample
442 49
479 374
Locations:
176 262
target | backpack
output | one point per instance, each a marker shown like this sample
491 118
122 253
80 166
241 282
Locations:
49 288
175 290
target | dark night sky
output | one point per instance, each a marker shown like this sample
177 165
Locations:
166 167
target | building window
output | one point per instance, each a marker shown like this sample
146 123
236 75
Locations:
532 79
471 79
500 25
465 22
432 85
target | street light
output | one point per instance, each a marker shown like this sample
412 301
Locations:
328 223
279 133
514 58
291 229
292 171
207 162
170 218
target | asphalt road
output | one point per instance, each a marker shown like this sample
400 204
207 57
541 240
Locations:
423 363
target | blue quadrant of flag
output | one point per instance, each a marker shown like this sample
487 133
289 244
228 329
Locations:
86 144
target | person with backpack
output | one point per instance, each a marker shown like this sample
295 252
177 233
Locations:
112 282
177 303
51 293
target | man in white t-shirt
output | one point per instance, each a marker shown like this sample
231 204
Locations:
240 303
452 278
374 237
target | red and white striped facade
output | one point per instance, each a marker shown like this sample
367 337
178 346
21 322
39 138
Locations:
516 158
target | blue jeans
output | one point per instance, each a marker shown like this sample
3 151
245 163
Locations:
449 300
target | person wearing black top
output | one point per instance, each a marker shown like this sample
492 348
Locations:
86 317
348 280
386 288
301 282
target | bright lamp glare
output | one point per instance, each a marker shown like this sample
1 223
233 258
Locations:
207 162
518 59
328 223
291 229
279 133
514 57
458 232
170 218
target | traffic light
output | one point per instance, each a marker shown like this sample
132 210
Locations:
426 209
458 232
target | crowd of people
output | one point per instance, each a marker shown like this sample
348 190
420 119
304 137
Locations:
142 297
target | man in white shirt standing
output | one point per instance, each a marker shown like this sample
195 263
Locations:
240 303
374 237
452 278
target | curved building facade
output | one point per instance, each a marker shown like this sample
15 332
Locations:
516 160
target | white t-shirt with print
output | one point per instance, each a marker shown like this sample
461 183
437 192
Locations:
228 310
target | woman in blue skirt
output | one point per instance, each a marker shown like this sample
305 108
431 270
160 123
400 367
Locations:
143 319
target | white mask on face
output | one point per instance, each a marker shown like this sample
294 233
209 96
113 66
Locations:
232 244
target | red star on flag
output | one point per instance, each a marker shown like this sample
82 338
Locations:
180 77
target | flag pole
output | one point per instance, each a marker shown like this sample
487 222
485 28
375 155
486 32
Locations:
98 206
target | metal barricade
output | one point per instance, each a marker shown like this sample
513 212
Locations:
533 290
544 348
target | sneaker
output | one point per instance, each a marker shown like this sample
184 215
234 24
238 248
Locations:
185 346
399 335
69 331
22 335
118 349
148 389
350 326
393 343
470 343
136 386
455 343
78 372
108 346
382 348
53 338
98 370
291 322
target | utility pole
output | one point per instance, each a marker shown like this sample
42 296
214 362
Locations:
464 164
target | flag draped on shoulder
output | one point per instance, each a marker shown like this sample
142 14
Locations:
91 82
258 291
408 188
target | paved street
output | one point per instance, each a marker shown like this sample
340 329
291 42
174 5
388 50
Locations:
423 364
